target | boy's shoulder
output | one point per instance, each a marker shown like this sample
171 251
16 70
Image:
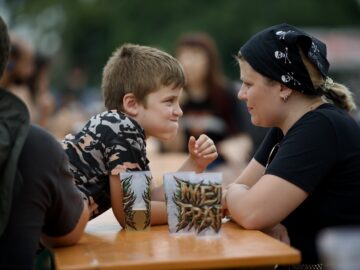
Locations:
113 115
115 120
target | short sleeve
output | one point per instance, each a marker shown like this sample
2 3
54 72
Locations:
122 155
307 153
67 203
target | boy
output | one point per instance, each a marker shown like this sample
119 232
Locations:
141 87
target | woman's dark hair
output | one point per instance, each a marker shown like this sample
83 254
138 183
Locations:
218 87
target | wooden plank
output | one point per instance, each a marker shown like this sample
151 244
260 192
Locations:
112 248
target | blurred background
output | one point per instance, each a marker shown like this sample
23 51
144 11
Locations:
83 33
71 41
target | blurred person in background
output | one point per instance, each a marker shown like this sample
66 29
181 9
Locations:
18 71
71 113
210 105
38 198
39 88
27 76
306 174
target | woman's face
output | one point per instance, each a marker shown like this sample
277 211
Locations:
262 96
195 62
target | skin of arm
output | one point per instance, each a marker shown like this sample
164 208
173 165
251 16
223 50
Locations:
247 179
265 204
72 237
116 195
249 176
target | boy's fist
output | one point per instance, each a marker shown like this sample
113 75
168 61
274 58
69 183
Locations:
202 151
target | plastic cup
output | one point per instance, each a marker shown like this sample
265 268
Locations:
208 209
339 248
137 199
178 197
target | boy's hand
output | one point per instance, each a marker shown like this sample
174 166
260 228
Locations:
202 151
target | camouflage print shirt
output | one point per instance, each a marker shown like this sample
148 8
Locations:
108 144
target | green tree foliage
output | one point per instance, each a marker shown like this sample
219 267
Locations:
92 29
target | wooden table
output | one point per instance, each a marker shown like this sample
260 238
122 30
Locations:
106 246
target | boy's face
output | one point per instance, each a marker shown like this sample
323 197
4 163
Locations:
160 116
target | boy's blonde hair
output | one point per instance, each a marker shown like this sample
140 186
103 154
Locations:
139 70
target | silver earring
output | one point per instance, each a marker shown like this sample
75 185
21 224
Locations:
285 98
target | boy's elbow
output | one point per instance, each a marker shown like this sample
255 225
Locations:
120 217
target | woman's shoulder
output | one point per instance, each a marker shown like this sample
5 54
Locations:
335 116
326 113
326 122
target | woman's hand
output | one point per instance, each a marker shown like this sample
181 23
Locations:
279 232
223 199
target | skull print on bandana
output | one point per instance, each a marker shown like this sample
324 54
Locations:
282 34
283 55
289 77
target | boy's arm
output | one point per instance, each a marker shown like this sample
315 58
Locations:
116 195
201 153
158 209
157 193
158 213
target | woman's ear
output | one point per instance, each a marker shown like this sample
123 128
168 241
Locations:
130 104
285 92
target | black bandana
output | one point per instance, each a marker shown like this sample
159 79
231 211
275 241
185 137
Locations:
274 53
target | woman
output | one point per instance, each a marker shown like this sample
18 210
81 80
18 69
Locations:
207 104
306 173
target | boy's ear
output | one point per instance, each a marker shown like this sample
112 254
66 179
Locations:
130 104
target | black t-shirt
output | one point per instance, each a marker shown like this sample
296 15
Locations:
47 202
321 155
